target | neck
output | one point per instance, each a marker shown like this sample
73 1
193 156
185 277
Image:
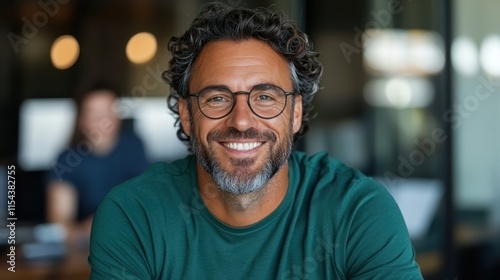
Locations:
104 145
247 209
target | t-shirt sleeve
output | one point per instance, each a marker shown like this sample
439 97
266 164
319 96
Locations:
377 243
116 249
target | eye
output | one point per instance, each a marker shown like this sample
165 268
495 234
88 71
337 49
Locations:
264 97
217 98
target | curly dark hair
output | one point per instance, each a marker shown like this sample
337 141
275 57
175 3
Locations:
219 22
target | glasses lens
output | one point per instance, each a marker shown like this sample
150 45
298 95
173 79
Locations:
267 101
215 103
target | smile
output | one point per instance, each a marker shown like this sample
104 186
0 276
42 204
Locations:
242 146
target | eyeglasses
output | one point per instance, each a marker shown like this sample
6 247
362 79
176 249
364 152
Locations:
266 101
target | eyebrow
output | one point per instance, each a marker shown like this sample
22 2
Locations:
225 87
214 87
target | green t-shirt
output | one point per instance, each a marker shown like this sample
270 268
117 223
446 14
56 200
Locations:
334 223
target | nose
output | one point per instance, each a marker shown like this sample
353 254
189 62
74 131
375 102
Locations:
242 117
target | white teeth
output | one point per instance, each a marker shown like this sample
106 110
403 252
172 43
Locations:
242 146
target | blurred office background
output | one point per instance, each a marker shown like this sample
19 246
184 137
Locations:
410 95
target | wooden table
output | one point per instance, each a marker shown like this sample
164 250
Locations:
73 266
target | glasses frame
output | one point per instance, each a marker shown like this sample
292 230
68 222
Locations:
197 94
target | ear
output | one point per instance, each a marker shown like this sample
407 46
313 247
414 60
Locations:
297 114
184 115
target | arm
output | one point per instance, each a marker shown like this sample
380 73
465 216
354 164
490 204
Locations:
62 207
62 203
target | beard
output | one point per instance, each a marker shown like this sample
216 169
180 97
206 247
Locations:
242 179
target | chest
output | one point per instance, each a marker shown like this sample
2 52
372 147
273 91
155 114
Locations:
286 248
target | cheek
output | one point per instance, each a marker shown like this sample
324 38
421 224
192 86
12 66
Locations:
201 126
280 127
89 122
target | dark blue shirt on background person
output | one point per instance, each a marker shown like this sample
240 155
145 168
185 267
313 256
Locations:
92 176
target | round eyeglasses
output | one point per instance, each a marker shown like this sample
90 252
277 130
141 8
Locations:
265 101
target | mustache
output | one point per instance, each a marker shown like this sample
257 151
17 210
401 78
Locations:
234 134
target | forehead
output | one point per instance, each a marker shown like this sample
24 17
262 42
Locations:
239 65
100 98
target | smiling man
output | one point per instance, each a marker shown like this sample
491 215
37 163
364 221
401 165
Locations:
244 206
242 139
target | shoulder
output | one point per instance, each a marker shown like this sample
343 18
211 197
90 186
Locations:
323 171
360 214
69 165
129 138
340 192
147 203
320 162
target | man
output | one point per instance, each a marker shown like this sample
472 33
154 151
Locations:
99 156
244 206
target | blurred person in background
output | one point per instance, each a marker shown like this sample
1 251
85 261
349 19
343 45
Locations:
100 156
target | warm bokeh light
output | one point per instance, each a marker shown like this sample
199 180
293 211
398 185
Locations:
64 52
141 47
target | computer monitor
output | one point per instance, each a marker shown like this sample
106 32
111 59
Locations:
45 126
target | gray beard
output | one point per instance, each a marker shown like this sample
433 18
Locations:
242 180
